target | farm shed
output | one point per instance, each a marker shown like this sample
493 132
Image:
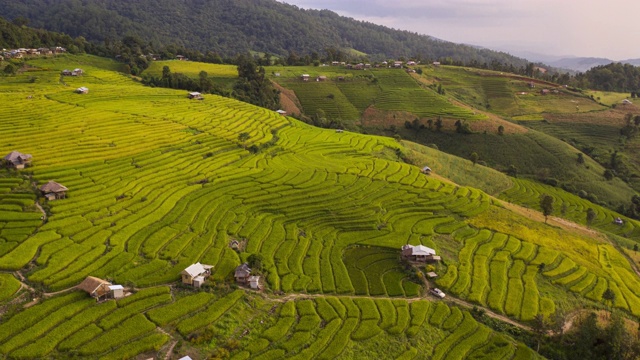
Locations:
432 275
417 253
242 274
281 112
254 282
626 102
66 72
397 64
116 291
195 95
196 274
95 287
426 170
436 63
335 63
18 160
544 91
321 78
185 358
77 72
82 90
305 77
54 191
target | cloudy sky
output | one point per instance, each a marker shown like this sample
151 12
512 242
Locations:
598 28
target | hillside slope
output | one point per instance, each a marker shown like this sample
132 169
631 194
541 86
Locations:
234 26
158 181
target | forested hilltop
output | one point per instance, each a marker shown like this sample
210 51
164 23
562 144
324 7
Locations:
229 27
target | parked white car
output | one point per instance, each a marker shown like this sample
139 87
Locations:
437 292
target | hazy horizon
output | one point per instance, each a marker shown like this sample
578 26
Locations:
585 29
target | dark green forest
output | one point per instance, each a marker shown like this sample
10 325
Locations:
231 27
613 77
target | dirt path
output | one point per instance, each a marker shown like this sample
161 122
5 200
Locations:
173 343
488 312
44 214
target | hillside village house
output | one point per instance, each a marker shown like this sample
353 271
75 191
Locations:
54 191
254 282
411 62
243 273
436 63
544 91
335 63
18 160
82 90
419 253
397 64
321 78
305 77
101 289
76 72
196 274
196 96
426 170
626 102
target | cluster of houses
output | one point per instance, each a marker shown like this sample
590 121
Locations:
23 52
196 275
362 66
51 190
74 72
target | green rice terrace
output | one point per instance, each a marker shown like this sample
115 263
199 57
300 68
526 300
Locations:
509 95
157 182
346 94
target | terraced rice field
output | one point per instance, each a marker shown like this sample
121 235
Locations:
569 206
157 182
507 95
349 325
401 93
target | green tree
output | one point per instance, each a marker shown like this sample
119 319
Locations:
474 157
608 174
255 261
609 297
243 137
580 158
166 72
500 130
546 204
591 215
439 124
10 69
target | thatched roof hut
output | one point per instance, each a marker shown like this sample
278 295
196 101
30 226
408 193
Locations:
95 287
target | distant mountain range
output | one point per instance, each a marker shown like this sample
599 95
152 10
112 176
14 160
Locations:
230 27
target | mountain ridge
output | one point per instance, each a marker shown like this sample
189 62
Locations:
232 27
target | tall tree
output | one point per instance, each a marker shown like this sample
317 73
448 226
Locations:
546 204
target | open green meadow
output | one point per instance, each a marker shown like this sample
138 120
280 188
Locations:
158 182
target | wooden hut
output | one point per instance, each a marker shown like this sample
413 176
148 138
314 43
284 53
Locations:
196 274
95 287
54 191
18 160
242 273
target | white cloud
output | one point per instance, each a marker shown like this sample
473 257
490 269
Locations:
581 28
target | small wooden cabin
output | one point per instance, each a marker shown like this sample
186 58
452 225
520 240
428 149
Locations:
54 191
18 160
